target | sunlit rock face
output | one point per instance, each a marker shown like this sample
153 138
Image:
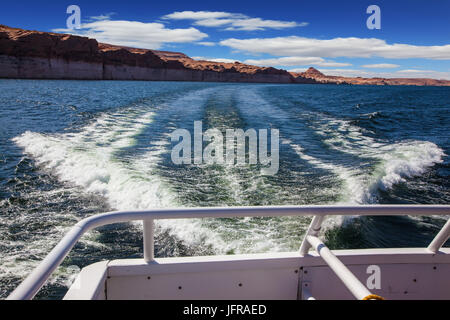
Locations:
26 54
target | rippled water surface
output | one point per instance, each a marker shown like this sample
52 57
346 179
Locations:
70 149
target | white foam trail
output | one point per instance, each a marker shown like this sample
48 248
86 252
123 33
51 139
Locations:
88 159
396 162
406 160
253 105
353 184
230 236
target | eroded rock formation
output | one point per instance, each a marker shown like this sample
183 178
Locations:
26 54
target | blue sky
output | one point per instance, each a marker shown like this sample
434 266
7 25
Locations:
414 39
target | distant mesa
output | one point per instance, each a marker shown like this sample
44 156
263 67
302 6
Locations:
26 54
313 72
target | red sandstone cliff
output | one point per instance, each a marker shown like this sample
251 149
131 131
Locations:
43 55
319 77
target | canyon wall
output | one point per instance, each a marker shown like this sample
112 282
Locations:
58 68
26 54
40 55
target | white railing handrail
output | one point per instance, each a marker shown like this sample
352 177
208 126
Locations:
31 285
440 238
344 274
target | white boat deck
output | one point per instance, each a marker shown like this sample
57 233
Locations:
405 274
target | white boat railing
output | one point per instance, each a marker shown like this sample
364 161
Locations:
347 277
440 238
32 284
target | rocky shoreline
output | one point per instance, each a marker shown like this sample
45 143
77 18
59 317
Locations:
26 54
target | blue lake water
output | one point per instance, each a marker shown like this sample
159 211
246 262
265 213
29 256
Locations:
70 149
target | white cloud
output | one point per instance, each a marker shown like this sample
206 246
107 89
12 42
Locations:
213 22
259 24
298 70
296 61
380 66
207 43
231 21
413 71
337 47
105 16
135 34
409 73
216 59
198 15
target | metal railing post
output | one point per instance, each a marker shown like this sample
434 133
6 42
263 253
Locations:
149 240
440 238
347 277
313 230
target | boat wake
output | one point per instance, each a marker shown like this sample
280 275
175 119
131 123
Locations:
122 156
